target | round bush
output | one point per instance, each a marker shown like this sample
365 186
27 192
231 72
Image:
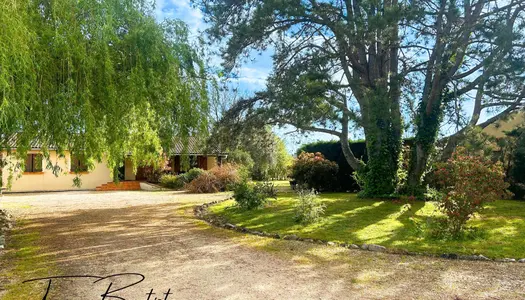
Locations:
171 181
247 197
191 174
467 183
313 171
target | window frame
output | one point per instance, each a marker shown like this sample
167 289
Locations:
77 164
30 168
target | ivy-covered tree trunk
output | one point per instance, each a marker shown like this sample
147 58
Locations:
427 124
383 143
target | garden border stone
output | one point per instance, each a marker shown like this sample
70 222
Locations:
201 212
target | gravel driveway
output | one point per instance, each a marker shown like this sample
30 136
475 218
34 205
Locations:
155 234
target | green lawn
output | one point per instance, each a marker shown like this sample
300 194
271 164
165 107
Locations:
349 219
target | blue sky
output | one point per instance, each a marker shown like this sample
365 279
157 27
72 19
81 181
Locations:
251 76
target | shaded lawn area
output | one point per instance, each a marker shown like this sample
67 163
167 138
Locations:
349 219
23 261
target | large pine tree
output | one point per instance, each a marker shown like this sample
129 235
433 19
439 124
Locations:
344 64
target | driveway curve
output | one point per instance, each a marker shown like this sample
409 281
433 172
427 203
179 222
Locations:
155 235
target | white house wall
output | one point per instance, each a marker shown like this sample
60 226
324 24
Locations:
47 181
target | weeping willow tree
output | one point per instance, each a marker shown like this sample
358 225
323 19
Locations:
100 78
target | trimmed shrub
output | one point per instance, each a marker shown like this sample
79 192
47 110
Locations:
206 182
227 176
191 175
171 182
313 171
332 151
467 182
309 209
248 197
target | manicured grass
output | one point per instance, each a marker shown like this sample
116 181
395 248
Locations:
349 219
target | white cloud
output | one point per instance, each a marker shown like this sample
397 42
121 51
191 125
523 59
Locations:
252 76
181 9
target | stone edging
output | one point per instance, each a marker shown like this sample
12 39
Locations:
201 212
5 225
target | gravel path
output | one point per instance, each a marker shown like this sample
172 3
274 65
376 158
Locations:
154 234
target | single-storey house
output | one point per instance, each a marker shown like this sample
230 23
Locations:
36 177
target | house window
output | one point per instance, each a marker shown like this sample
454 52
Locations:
34 163
78 164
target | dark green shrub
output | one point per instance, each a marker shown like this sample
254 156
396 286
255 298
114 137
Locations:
332 151
248 197
313 171
191 175
309 209
516 172
171 182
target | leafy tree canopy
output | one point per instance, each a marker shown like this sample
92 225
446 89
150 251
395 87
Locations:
98 77
344 64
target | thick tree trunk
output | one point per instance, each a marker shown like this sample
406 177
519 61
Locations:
418 163
383 143
427 124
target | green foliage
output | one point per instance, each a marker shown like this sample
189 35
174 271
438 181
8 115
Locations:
468 182
172 181
332 74
250 197
99 78
313 171
240 158
191 175
439 229
283 161
514 143
258 152
243 160
266 188
332 151
309 208
383 146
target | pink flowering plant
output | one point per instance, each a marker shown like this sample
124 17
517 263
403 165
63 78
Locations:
467 182
314 171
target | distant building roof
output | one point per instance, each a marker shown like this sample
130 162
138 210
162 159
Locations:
194 147
12 142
